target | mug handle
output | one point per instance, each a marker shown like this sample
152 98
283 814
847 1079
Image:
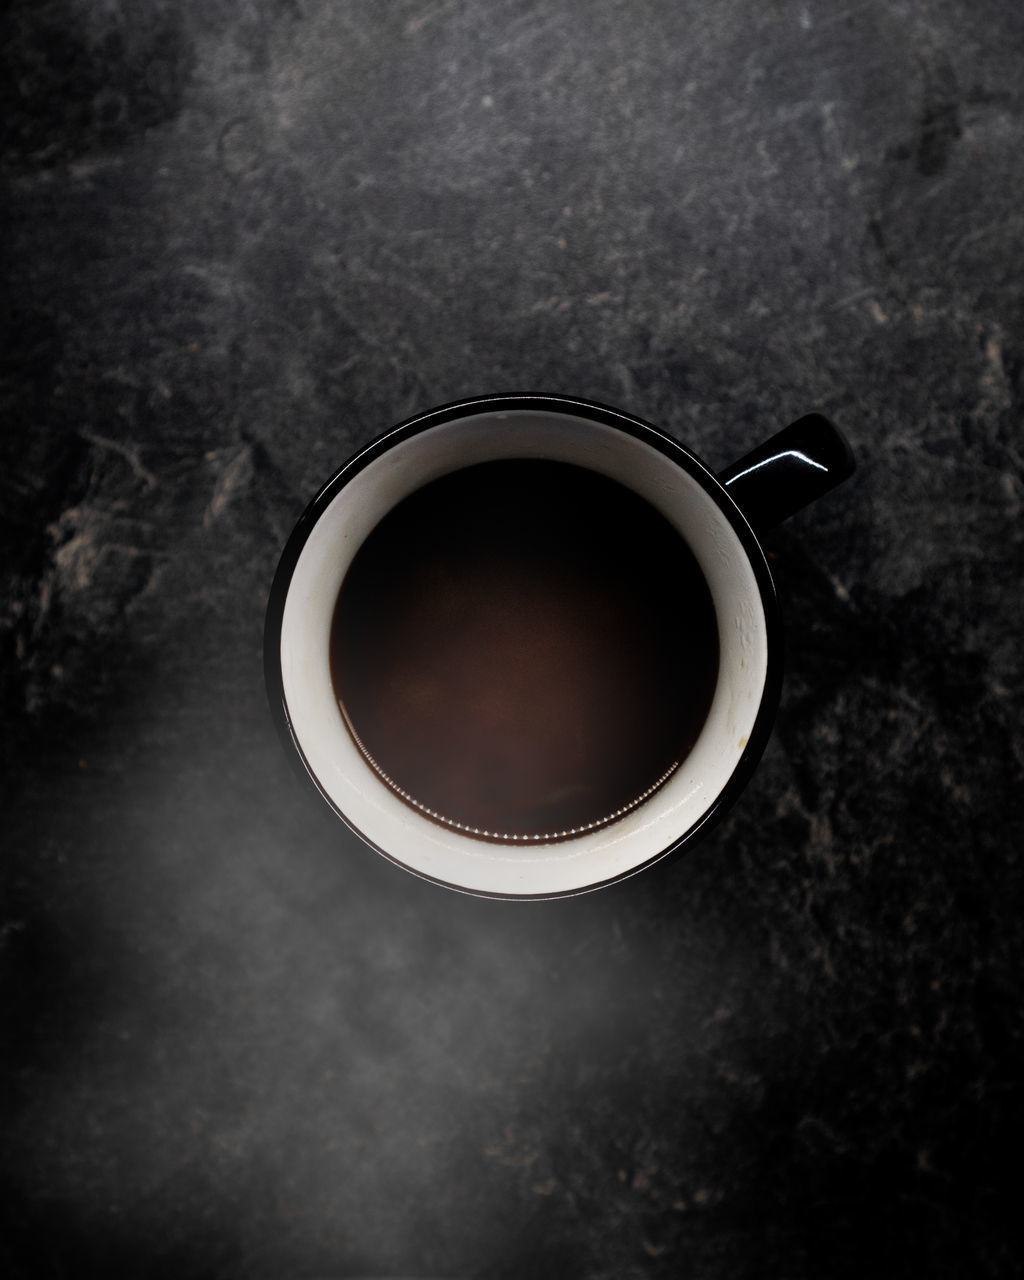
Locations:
788 471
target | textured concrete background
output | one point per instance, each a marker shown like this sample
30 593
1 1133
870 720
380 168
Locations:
241 237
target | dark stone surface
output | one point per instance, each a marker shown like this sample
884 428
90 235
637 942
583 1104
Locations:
241 237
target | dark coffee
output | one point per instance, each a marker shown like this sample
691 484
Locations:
524 649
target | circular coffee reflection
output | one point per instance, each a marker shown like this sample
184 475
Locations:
524 650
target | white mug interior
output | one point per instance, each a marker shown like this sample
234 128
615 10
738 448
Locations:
455 858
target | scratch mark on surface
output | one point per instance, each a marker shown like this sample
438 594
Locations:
130 455
994 384
852 298
417 24
235 476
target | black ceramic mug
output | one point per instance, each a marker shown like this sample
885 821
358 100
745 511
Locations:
719 517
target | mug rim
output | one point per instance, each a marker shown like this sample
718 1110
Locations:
581 408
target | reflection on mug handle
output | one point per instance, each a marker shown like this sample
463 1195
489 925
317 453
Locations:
785 473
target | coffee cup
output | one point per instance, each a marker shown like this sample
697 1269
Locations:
526 646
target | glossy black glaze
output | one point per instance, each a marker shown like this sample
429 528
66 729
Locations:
802 462
580 408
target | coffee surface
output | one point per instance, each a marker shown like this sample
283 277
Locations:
524 647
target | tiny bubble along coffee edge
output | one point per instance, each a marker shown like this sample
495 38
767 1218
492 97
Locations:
719 517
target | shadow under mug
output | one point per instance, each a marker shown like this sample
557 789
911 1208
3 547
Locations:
719 516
